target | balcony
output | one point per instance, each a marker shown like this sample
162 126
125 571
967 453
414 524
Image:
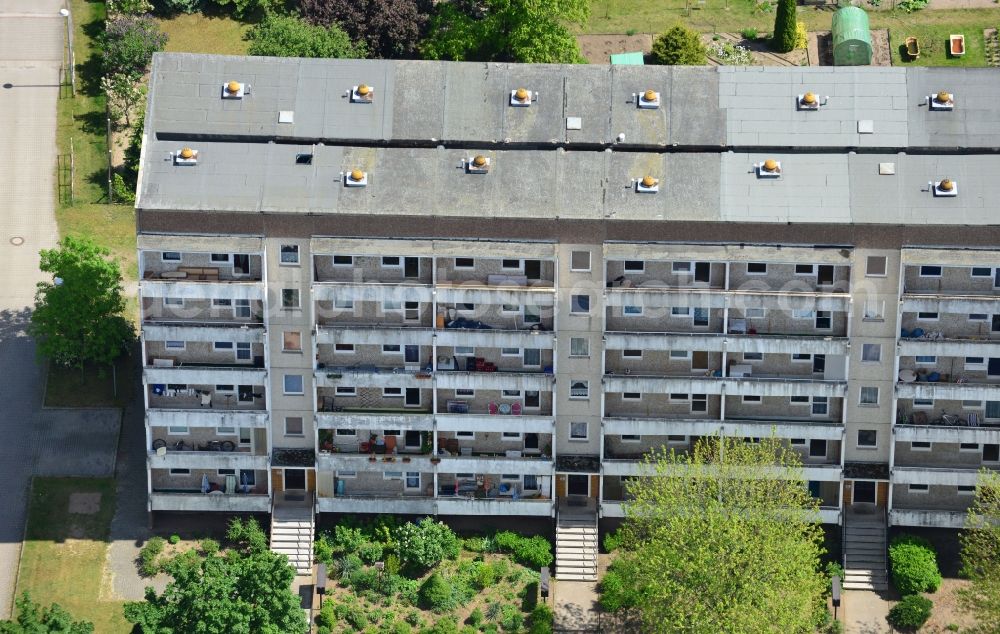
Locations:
378 292
927 518
495 338
634 467
206 460
393 334
782 428
416 420
959 301
658 296
161 331
479 423
951 388
493 463
169 400
954 434
206 417
363 462
205 374
616 508
216 501
523 381
717 342
378 503
541 294
209 289
950 346
948 476
373 376
754 385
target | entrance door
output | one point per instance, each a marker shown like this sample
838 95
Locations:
241 264
531 442
533 269
996 278
824 275
411 267
699 360
578 485
993 367
703 272
295 479
819 363
412 439
411 354
864 492
412 397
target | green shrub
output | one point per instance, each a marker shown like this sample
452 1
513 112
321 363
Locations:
914 565
444 625
749 33
484 576
540 619
327 617
148 556
533 552
289 36
617 592
392 565
475 618
436 594
413 618
783 39
612 541
124 194
494 611
174 539
208 547
370 552
398 627
679 46
323 549
511 619
489 628
347 539
172 7
910 613
128 44
423 545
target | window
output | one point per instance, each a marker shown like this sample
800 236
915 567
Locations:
679 354
220 303
681 268
243 351
293 384
579 347
754 313
867 439
510 308
465 434
993 409
801 357
347 475
869 396
680 311
930 271
966 490
631 310
179 472
579 389
291 341
532 399
289 254
972 405
170 256
389 305
510 393
510 435
392 475
510 264
510 352
179 301
343 348
926 360
173 345
824 320
390 261
801 313
530 483
631 396
756 268
532 357
289 298
392 348
631 438
982 271
752 399
177 430
874 310
805 269
871 352
978 317
245 436
466 307
674 438
343 304
753 356
968 447
919 488
927 316
393 392
798 400
293 426
532 315
797 441
224 388
923 403
699 403
223 345
634 266
578 431
820 406
241 308
412 480
631 354
465 263
875 266
975 363
700 317
343 260
579 261
219 257
920 445
817 448
580 304
347 432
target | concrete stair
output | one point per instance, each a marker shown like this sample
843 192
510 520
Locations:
292 533
576 548
865 551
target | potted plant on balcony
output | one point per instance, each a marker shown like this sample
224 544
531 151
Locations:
371 457
406 458
388 459
425 443
435 459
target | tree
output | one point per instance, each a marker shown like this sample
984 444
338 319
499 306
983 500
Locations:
289 36
525 31
981 554
723 539
78 316
129 42
246 590
783 38
389 28
678 46
126 96
33 619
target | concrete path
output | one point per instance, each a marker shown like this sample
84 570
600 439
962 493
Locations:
576 608
864 612
31 41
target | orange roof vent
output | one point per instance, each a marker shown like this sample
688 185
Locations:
187 154
233 87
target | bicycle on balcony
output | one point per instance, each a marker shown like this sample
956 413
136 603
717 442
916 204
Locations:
180 445
949 420
218 445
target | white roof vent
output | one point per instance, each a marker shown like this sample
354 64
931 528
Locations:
478 164
647 185
649 100
768 169
942 101
186 156
810 101
234 90
355 178
946 187
286 116
522 97
362 93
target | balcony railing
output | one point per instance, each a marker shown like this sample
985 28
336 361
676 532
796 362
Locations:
168 500
810 429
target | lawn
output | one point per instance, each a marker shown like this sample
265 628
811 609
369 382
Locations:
64 552
933 40
92 386
201 33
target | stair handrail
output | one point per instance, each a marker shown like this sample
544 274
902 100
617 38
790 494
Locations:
843 541
885 542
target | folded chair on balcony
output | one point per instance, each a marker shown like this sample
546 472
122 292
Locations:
515 408
493 408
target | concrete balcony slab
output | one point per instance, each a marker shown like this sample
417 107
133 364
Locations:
202 290
220 502
206 418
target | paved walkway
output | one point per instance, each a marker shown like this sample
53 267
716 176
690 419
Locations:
865 612
576 608
31 40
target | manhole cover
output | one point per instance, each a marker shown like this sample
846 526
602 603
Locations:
8 85
17 241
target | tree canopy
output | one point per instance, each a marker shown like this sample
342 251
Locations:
389 28
677 46
528 31
79 315
289 36
981 555
723 539
783 39
32 618
244 590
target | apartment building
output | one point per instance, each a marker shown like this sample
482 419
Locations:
488 289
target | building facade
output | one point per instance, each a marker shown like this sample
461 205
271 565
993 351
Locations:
486 289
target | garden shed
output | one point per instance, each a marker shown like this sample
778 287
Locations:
852 39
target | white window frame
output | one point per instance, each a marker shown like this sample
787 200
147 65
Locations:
173 301
631 438
685 268
926 359
518 267
753 358
179 471
464 351
749 272
343 304
387 348
627 270
754 399
923 403
302 426
296 295
284 341
680 311
877 347
387 394
811 271
510 352
977 449
463 266
632 311
586 344
754 313
172 344
628 396
972 271
918 491
346 475
861 396
631 353
574 304
936 316
344 348
973 405
386 262
391 306
461 392
857 440
573 385
284 384
333 260
345 391
929 447
164 258
873 310
178 430
981 365
931 266
572 257
868 266
979 317
682 355
699 400
294 249
963 489
220 346
800 313
586 431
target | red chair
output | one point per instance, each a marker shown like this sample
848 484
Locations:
493 408
515 408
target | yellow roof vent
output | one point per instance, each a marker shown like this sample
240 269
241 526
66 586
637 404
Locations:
186 156
362 93
946 187
648 100
769 168
522 97
647 185
810 101
355 178
943 100
234 90
478 164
